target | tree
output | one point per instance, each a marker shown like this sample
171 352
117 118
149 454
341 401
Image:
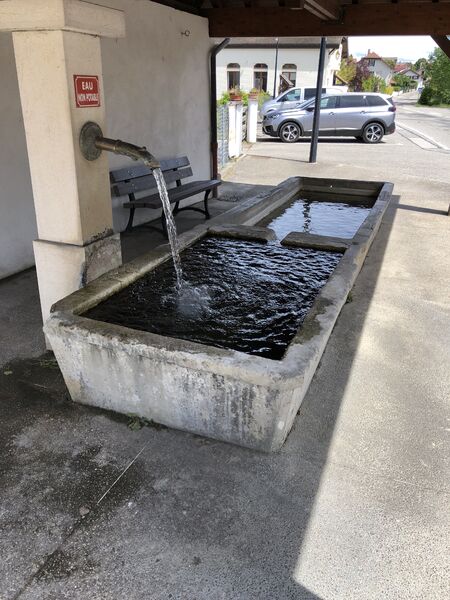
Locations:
440 75
347 69
358 76
437 90
403 82
423 65
374 83
362 73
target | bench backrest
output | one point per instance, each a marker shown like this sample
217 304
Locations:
139 178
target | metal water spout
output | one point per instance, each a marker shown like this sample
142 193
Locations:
92 143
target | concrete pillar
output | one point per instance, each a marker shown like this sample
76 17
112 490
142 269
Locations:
252 120
239 116
235 129
232 151
59 68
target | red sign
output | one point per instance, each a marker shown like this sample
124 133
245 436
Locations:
86 90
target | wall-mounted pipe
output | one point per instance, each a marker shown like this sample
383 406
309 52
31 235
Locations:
213 109
92 143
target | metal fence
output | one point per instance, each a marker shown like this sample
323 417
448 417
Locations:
244 122
222 134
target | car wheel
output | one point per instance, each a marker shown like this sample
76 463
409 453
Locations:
373 133
290 132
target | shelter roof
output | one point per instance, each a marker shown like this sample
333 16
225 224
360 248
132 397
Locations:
292 18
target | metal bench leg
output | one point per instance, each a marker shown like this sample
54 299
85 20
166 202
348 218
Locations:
129 226
205 203
176 208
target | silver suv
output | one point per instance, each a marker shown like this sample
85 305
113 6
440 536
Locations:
295 97
367 117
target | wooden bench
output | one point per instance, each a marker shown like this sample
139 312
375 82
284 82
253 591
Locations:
134 179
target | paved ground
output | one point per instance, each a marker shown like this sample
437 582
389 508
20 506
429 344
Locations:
423 123
354 507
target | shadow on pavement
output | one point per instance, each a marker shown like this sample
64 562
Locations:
421 209
322 140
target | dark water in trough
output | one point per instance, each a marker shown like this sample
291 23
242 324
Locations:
242 295
324 217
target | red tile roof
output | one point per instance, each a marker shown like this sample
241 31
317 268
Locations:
371 54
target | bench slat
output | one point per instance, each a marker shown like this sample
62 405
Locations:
174 163
148 182
167 164
175 194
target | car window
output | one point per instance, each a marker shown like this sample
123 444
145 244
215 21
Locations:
352 101
311 92
328 102
375 101
294 95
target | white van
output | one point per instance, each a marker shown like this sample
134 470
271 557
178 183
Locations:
293 97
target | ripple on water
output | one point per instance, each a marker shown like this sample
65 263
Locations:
242 295
338 219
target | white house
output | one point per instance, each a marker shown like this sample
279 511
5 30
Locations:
378 65
250 63
405 69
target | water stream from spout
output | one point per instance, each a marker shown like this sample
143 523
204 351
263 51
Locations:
170 224
191 301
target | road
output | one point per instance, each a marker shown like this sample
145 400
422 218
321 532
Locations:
426 126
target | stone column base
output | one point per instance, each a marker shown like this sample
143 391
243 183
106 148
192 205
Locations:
64 268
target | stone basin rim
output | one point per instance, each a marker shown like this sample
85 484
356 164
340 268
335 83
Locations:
286 372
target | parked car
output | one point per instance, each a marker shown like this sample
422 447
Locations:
294 97
367 117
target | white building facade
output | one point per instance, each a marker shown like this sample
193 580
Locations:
378 66
249 63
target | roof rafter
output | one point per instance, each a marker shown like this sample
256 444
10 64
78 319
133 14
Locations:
409 18
443 42
324 9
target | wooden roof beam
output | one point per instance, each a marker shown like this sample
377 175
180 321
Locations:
421 18
324 9
443 42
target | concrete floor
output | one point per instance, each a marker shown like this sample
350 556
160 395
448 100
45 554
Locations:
355 506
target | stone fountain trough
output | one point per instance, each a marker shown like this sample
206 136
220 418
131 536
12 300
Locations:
217 392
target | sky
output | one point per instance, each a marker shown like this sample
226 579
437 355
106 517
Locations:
406 47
